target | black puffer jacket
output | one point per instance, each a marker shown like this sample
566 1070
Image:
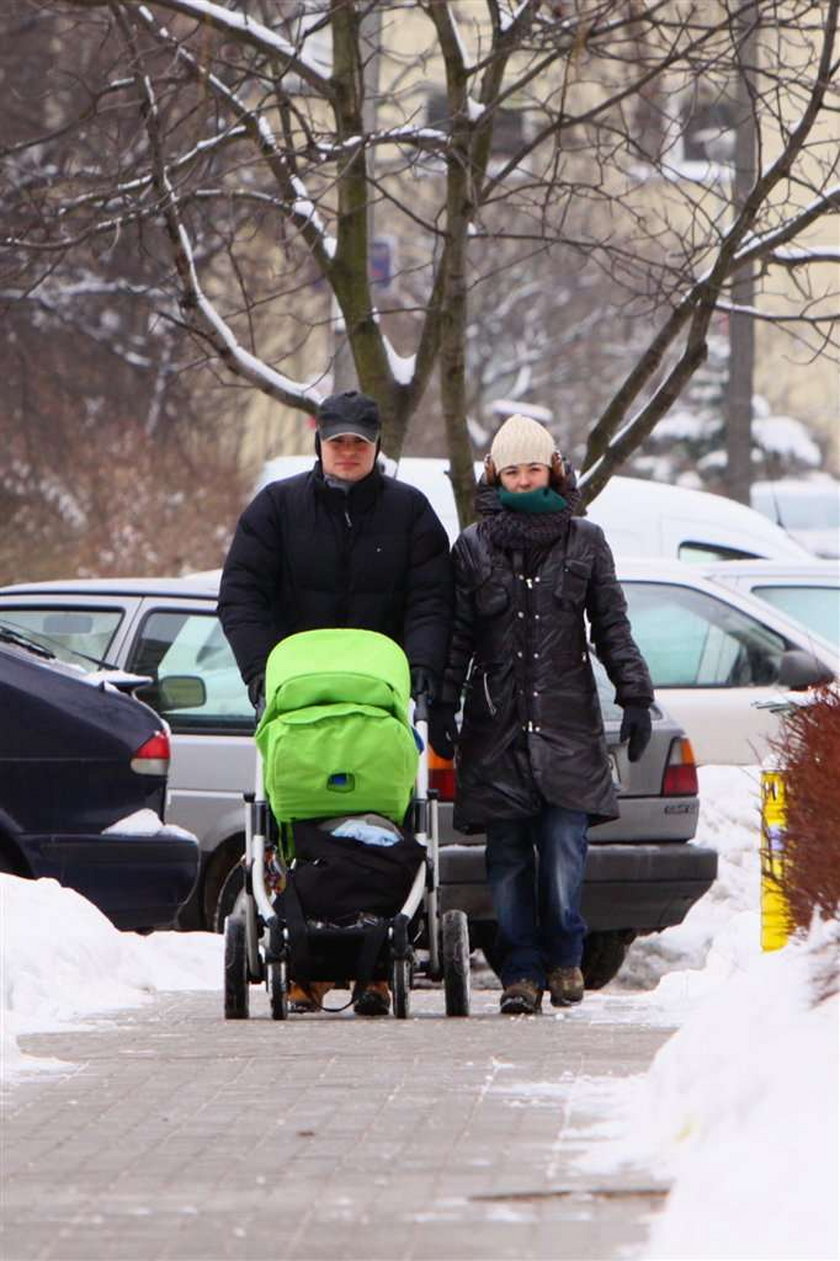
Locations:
532 730
306 555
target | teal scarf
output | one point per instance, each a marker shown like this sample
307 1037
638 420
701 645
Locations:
544 499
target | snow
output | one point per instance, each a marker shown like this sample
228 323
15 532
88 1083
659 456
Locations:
737 1113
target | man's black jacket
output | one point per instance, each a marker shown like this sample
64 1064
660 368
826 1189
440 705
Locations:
307 555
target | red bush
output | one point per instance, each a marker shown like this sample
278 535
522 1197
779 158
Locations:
808 757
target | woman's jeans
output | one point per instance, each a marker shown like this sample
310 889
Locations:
537 903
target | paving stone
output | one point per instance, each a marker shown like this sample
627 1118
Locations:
174 1135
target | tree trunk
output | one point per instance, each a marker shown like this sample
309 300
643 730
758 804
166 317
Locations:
739 387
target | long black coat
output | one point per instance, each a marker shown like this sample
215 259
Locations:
532 729
306 555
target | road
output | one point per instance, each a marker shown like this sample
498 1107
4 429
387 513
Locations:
171 1134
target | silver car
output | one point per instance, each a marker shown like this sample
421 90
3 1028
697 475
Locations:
641 874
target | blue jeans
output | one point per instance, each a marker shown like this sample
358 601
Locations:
537 904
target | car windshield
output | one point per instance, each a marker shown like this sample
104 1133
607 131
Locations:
818 608
78 637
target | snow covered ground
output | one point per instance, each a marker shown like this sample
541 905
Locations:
739 1110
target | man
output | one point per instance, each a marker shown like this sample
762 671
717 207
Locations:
341 545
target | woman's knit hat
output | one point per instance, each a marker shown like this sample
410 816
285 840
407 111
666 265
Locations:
522 440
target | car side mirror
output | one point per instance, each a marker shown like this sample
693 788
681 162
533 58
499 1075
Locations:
176 691
799 669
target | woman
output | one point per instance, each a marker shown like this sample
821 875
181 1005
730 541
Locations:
533 768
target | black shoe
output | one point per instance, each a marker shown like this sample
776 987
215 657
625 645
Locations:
521 998
373 1001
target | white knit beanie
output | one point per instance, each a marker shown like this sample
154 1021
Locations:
522 440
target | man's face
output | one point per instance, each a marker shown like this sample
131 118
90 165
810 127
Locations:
347 457
522 477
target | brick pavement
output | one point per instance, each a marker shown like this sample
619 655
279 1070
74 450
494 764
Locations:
175 1135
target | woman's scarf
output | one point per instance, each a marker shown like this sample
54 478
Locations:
514 530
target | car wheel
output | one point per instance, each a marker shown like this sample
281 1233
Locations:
228 897
221 865
603 955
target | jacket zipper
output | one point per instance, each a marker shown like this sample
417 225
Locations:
488 697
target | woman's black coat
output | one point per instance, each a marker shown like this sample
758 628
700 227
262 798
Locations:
532 729
307 555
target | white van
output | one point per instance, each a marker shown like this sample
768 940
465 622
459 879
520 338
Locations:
639 518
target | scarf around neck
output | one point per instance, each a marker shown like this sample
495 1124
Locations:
508 529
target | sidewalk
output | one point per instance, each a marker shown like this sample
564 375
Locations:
176 1135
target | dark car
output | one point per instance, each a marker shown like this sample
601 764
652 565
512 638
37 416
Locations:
642 875
77 758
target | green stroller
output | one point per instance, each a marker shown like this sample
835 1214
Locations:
341 850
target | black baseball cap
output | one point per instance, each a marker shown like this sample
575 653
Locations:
348 413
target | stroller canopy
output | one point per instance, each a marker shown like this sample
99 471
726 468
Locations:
327 667
335 736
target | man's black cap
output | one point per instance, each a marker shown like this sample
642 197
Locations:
348 413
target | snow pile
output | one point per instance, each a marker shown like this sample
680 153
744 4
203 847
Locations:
728 915
61 959
739 1112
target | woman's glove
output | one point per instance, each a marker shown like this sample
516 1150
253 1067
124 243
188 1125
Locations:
443 730
635 727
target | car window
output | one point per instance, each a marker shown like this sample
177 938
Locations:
700 553
818 608
691 639
176 642
81 637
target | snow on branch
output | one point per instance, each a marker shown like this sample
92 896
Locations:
244 29
200 312
299 206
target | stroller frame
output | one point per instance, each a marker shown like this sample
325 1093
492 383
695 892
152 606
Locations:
257 941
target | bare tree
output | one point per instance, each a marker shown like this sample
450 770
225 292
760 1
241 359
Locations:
254 151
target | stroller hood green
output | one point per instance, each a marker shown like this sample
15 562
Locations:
335 736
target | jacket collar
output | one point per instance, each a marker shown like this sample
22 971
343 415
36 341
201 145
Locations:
359 497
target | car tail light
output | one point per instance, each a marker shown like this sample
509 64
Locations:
442 776
680 778
152 758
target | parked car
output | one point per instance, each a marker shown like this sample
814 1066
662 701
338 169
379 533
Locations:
807 508
642 875
716 654
808 592
640 518
79 761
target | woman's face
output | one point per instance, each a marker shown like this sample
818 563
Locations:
521 477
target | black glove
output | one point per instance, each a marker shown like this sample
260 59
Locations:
423 683
443 730
635 727
256 692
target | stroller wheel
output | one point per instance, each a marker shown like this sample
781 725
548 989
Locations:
278 990
236 969
456 962
401 987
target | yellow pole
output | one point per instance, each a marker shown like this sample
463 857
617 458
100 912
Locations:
775 913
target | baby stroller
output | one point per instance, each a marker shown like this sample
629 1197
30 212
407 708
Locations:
340 763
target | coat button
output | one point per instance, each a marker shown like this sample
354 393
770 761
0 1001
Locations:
536 655
536 693
520 614
519 654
